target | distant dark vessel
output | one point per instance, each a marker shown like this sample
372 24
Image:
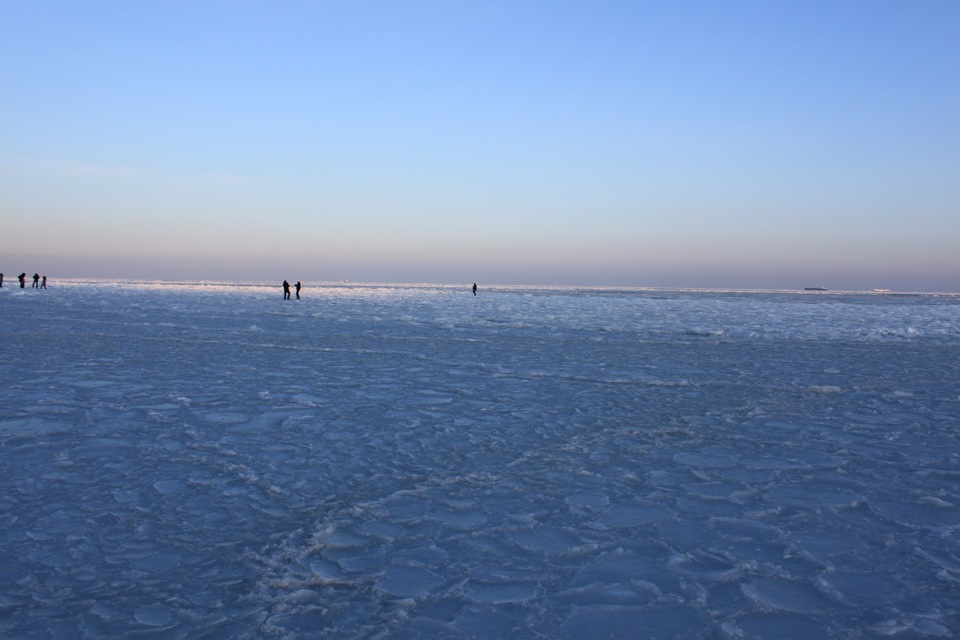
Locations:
814 288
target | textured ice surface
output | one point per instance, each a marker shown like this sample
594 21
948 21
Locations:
416 462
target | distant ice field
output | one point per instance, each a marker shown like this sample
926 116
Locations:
206 460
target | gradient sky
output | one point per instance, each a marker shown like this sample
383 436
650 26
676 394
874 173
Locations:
675 144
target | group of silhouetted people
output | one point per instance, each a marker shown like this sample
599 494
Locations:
286 290
286 287
22 278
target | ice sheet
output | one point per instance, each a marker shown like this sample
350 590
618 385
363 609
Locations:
411 461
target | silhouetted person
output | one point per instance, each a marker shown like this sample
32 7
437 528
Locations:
298 289
36 281
474 288
286 290
23 280
43 285
1 281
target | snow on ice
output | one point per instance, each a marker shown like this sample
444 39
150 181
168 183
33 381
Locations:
208 460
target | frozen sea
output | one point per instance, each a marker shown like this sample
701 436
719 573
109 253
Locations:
206 460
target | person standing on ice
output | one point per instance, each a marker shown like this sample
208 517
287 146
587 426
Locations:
36 281
43 285
1 281
298 289
286 290
23 280
474 288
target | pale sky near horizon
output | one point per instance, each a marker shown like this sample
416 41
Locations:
668 144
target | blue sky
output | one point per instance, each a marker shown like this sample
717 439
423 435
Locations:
675 144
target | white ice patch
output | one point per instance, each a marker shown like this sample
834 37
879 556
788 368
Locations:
785 595
860 588
400 581
500 592
823 388
155 616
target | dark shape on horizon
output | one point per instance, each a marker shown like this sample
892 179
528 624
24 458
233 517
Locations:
36 281
43 285
23 280
298 289
1 281
474 288
814 288
286 290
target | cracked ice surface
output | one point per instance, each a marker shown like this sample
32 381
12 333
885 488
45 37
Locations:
207 460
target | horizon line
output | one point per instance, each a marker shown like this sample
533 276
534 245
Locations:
809 290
